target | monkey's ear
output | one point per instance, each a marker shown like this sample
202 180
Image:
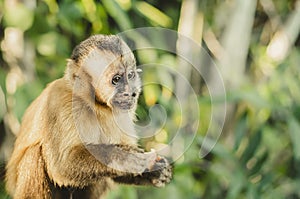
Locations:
71 72
72 64
139 70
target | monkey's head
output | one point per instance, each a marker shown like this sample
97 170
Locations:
103 69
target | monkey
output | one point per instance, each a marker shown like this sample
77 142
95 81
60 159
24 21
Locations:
77 138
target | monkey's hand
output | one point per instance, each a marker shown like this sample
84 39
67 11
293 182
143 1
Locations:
160 174
157 171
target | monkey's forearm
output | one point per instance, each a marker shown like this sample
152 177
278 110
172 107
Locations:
123 158
107 161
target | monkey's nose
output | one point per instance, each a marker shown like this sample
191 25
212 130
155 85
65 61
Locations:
127 94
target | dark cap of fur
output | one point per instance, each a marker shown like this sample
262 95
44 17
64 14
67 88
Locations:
102 42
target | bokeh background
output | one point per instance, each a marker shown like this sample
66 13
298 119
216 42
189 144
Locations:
254 43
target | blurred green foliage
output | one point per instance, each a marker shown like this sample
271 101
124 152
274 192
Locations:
258 155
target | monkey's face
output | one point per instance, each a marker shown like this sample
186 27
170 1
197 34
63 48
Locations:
126 89
115 80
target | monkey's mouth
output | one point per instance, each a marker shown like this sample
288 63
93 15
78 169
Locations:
124 104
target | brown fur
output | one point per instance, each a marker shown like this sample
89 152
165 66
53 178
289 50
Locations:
72 139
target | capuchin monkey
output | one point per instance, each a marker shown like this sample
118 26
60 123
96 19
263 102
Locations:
78 137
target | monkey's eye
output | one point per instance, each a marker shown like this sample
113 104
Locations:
131 75
115 80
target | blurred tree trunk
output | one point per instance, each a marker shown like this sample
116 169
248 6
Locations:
19 56
188 28
235 43
285 37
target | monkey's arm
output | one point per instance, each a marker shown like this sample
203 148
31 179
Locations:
122 163
81 168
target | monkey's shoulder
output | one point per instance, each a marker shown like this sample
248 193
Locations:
37 114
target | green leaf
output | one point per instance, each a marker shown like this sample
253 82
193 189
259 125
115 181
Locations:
237 184
252 192
254 142
294 130
248 94
259 163
19 16
154 14
47 44
240 132
117 13
218 149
